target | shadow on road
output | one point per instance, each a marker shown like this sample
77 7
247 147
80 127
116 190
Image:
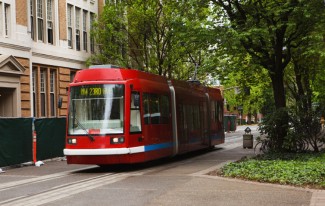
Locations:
119 168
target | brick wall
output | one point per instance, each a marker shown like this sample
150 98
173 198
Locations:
63 19
64 80
25 88
100 6
21 11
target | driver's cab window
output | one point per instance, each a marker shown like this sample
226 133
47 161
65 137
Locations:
135 117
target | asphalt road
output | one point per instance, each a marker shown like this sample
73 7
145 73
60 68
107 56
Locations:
178 181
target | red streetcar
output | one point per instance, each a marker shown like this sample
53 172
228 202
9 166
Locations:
118 116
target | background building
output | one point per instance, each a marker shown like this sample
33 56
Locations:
42 45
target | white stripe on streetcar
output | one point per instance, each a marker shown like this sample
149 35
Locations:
111 151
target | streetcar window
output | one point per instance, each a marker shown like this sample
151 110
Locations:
136 99
213 110
96 109
218 111
135 120
164 109
220 105
196 117
156 109
146 114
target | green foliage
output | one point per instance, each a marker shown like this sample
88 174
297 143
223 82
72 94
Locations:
304 169
271 125
274 34
306 132
163 37
246 76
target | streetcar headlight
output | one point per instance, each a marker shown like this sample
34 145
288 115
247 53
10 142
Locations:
72 141
117 140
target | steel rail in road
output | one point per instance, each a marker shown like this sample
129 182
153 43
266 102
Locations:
10 185
66 190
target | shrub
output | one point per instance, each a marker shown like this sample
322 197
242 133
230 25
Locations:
302 131
274 127
306 131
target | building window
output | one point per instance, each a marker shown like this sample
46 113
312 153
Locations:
69 16
92 40
52 92
77 29
49 22
79 22
32 34
72 75
40 20
43 92
34 78
84 28
7 19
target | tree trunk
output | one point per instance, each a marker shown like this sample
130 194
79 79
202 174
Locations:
280 104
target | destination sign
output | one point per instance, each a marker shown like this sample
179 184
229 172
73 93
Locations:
97 91
94 91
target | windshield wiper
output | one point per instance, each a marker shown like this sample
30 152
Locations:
82 127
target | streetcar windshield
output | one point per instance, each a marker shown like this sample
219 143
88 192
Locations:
96 109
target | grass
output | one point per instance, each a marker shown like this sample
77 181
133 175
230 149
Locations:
303 169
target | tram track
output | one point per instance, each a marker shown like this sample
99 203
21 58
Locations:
66 190
34 180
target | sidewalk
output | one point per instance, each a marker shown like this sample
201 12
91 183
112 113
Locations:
234 152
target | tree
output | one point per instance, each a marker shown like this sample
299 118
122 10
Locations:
154 36
268 31
253 87
305 71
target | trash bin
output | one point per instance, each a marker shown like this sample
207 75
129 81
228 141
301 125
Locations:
232 119
248 139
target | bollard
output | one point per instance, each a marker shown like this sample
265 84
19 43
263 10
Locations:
34 146
248 139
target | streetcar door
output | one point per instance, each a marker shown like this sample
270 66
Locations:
135 116
136 138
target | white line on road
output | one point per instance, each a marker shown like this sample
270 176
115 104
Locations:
67 190
10 185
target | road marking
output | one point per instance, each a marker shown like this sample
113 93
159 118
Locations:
67 190
10 185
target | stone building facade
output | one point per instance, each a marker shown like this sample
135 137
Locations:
43 43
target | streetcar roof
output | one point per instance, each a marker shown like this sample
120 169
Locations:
114 74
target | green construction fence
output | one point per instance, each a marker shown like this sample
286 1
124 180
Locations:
50 137
16 139
230 123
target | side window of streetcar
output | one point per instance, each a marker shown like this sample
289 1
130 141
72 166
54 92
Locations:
156 109
164 109
135 117
213 110
220 105
146 114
